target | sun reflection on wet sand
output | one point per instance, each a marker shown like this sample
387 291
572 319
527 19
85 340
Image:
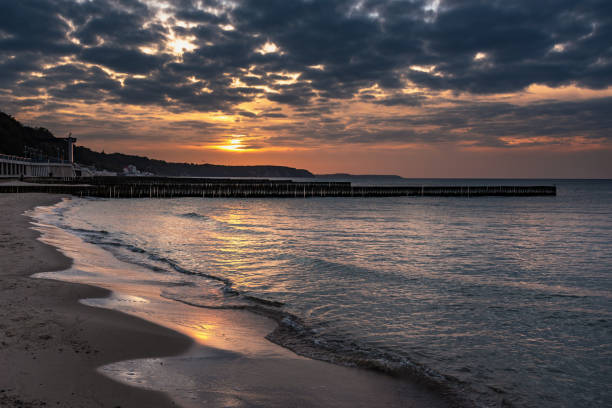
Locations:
135 293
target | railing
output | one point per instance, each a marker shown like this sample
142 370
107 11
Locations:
50 160
14 158
5 157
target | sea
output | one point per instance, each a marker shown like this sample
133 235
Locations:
504 301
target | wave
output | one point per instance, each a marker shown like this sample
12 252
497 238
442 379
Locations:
87 231
291 332
223 225
295 334
194 215
101 238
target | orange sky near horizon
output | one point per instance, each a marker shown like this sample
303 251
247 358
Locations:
239 140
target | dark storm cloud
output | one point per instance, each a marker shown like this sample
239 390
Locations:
12 67
296 94
337 47
518 39
377 42
273 115
70 82
119 27
187 13
483 124
39 33
415 99
122 59
247 114
29 26
486 123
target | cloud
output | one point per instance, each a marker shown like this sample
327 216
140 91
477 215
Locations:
358 44
247 114
273 115
413 99
327 55
487 124
121 59
32 26
120 28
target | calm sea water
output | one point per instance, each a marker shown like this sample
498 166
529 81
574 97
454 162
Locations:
498 299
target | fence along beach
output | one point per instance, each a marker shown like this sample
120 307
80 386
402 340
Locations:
168 187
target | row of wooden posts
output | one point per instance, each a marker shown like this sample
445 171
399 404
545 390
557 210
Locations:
154 188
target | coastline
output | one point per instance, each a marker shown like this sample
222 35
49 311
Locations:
51 342
235 366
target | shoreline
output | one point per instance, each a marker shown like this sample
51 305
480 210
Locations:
273 365
53 343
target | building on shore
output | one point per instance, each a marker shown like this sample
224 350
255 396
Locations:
131 171
91 171
19 167
41 166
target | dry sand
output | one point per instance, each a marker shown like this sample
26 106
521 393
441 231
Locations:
50 345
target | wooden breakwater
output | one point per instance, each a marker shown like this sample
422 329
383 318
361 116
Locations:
159 187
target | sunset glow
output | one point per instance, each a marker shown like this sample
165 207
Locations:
234 145
185 77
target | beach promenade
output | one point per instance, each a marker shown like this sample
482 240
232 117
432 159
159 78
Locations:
14 167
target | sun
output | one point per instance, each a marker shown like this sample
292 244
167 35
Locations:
235 144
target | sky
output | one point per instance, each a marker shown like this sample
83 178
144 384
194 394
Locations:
418 88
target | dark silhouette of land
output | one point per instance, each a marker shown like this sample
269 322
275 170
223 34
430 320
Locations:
15 139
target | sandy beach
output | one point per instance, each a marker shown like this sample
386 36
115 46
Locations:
50 345
64 353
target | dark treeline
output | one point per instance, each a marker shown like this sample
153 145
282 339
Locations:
14 138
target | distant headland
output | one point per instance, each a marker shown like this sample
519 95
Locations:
19 140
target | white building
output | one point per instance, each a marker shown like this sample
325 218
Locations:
131 170
91 171
14 167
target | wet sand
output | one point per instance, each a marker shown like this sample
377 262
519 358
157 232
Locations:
50 345
58 348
